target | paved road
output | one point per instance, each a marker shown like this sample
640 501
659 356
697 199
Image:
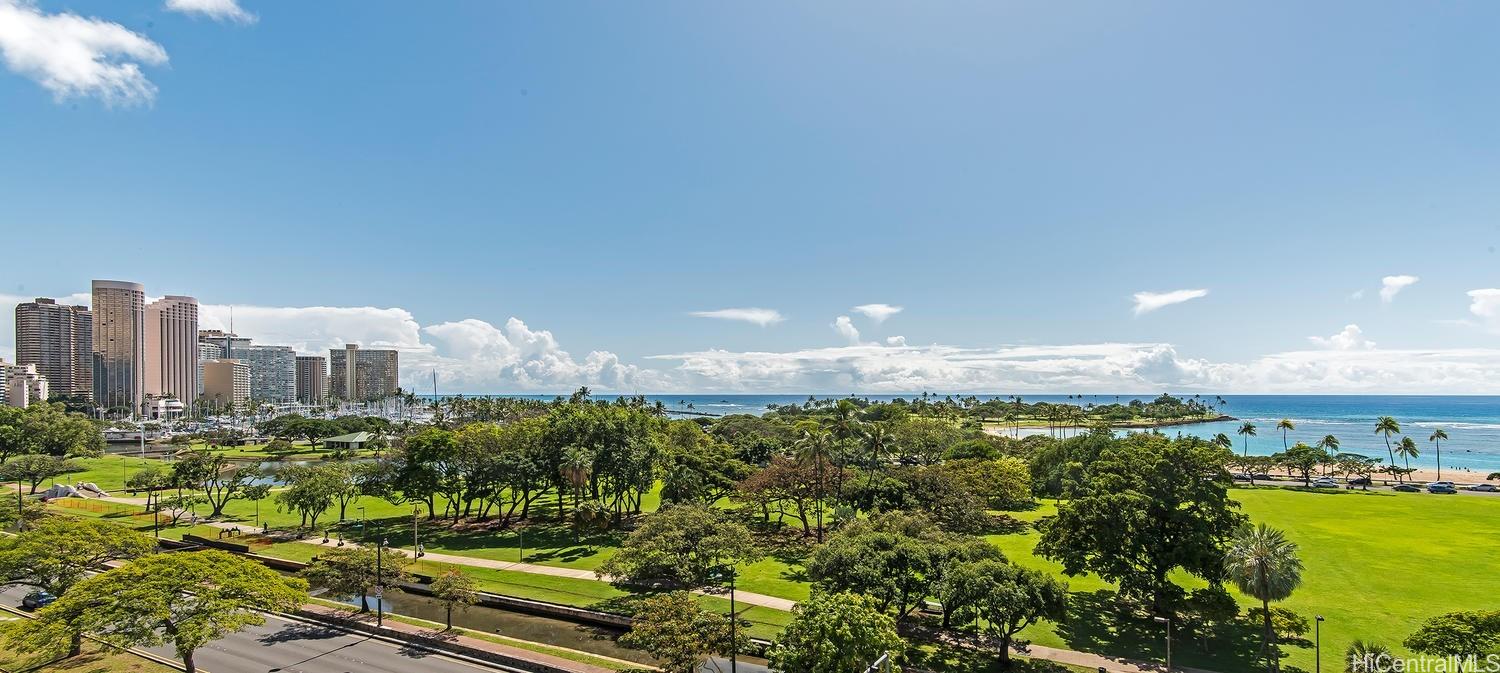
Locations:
283 646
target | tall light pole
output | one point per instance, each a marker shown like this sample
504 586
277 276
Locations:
416 545
361 523
1318 644
1168 622
20 507
733 620
379 584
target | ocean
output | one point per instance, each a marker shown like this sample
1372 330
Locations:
1472 422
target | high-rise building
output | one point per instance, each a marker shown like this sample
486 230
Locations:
273 372
362 375
225 382
227 342
312 379
207 350
119 345
21 385
172 349
59 340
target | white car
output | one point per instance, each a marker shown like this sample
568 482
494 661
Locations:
1485 488
1325 482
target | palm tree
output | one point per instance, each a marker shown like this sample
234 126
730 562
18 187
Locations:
1247 430
1263 563
878 443
1330 444
1437 438
1283 425
814 445
1362 655
1408 449
1388 426
1223 440
577 467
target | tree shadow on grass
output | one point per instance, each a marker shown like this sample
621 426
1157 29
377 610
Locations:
1102 623
544 542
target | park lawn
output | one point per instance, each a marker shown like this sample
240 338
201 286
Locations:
109 472
1376 564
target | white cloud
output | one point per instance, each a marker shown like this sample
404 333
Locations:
218 10
758 316
877 312
895 341
1146 302
1094 368
1357 295
1390 285
73 56
1485 305
1351 338
845 327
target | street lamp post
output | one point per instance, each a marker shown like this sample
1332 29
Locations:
20 507
416 545
1168 622
1318 644
361 523
733 621
379 584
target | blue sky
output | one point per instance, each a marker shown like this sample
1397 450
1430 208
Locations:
1010 174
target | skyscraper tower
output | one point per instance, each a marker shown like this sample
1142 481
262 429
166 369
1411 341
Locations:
119 346
59 340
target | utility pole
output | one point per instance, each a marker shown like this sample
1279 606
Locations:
379 585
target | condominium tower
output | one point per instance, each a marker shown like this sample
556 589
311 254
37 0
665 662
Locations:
119 335
59 340
172 349
312 379
363 375
273 372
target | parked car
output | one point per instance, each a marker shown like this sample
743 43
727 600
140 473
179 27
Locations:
37 600
1241 476
1485 488
1359 481
1442 487
1325 482
1266 477
1406 488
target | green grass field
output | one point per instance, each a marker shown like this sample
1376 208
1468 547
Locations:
95 659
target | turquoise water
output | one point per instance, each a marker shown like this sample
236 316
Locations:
1472 422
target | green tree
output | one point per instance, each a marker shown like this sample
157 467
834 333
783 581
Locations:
1304 460
37 468
1437 437
1460 635
58 552
215 475
1247 430
351 571
1263 563
672 628
1285 425
454 589
1386 425
1146 507
896 559
187 600
152 479
835 633
310 491
681 547
1008 598
815 446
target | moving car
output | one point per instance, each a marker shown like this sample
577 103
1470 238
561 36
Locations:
1442 487
1406 488
1485 488
37 600
1359 481
1325 482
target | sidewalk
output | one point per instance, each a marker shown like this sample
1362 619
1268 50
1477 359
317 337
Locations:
451 640
574 573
